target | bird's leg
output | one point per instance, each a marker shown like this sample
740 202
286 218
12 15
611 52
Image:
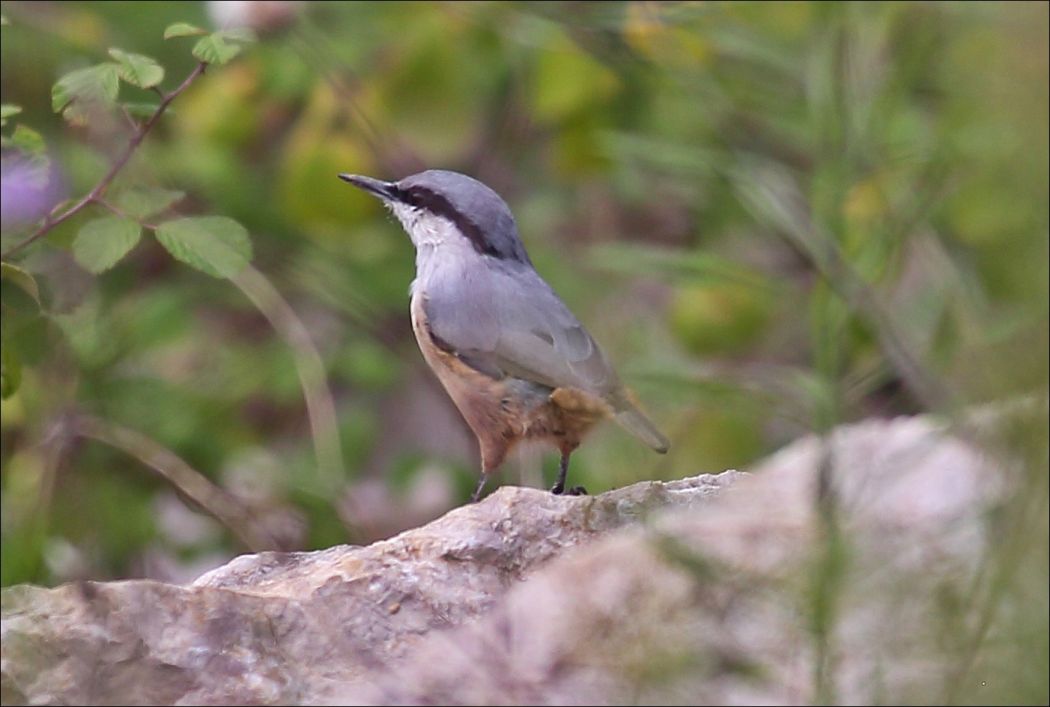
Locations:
563 471
481 484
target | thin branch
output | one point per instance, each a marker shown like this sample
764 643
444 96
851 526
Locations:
119 212
132 123
110 207
216 501
136 139
320 407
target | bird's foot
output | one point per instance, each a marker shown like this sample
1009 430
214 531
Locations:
476 496
559 489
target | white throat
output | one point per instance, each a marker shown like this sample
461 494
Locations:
441 250
424 228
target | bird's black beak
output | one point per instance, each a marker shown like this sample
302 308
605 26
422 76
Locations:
384 190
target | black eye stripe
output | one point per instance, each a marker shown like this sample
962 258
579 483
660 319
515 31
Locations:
423 198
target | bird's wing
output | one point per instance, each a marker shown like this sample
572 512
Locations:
507 320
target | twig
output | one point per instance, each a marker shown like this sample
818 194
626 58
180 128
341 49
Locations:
214 500
132 123
119 212
50 221
320 407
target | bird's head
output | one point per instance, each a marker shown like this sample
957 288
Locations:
438 207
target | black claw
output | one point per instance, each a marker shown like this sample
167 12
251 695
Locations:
577 491
558 489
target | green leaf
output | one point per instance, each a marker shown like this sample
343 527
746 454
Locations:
31 144
10 372
138 70
216 245
142 203
73 94
27 140
182 29
18 290
6 111
238 34
20 305
101 243
99 82
213 49
144 109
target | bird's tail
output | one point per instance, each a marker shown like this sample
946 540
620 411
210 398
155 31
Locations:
634 421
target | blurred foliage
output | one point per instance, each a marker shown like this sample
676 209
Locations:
775 217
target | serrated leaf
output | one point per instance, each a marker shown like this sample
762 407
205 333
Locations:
101 243
213 49
10 372
216 245
238 34
74 93
99 82
18 289
143 203
182 29
6 111
137 69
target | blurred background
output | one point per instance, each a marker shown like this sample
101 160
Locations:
775 217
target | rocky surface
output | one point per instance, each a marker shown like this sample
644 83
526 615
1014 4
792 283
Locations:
719 589
724 604
287 627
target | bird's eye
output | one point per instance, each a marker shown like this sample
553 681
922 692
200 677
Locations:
408 197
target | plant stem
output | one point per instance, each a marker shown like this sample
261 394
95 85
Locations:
216 501
113 209
99 189
320 406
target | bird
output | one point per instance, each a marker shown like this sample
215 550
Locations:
516 362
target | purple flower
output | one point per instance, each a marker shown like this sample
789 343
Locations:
29 188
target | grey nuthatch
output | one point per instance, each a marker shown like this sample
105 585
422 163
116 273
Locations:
511 355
